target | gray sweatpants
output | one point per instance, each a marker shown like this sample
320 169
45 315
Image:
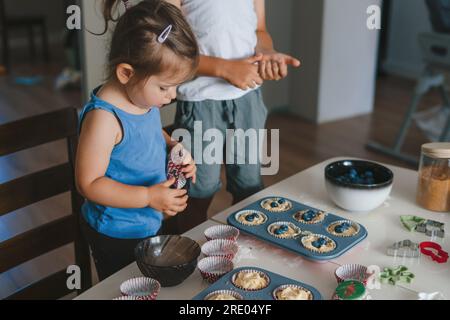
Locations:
247 112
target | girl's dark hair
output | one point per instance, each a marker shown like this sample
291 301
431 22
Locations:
135 40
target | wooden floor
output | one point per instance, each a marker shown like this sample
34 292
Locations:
302 145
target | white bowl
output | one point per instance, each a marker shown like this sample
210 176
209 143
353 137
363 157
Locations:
358 196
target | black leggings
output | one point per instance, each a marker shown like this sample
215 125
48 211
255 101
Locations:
110 254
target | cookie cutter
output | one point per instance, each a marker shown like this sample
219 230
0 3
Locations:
437 254
411 222
394 275
405 248
431 228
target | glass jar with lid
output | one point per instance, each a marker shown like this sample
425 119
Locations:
433 192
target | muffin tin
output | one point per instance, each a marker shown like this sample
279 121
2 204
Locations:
275 281
343 243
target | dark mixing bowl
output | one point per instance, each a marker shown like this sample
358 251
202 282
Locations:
170 259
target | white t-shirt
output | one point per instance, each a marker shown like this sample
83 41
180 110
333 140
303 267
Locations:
224 29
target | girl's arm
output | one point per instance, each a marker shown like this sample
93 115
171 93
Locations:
100 133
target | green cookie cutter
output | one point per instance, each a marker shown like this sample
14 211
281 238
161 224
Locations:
411 222
395 275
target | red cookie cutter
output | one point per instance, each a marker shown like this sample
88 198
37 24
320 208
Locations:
440 257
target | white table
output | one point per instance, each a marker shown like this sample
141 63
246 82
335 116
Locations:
383 225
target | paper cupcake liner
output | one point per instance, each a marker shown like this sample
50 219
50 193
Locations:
352 272
220 248
213 268
245 222
128 298
225 292
312 248
358 292
274 293
142 288
290 224
330 231
175 171
298 217
222 232
276 209
265 276
177 154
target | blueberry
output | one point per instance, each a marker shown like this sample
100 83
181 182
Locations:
342 227
251 217
281 230
368 174
319 242
309 215
281 201
274 204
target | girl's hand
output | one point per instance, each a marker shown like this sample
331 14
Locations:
243 73
166 200
190 169
274 65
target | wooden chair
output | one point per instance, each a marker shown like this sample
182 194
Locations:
26 190
28 22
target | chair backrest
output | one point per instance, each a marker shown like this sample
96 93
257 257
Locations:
29 189
439 11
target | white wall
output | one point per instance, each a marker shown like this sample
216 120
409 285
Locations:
339 59
95 54
306 38
349 58
408 19
279 21
94 47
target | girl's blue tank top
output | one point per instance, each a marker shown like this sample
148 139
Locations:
138 160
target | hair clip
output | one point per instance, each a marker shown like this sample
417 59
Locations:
127 4
165 34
